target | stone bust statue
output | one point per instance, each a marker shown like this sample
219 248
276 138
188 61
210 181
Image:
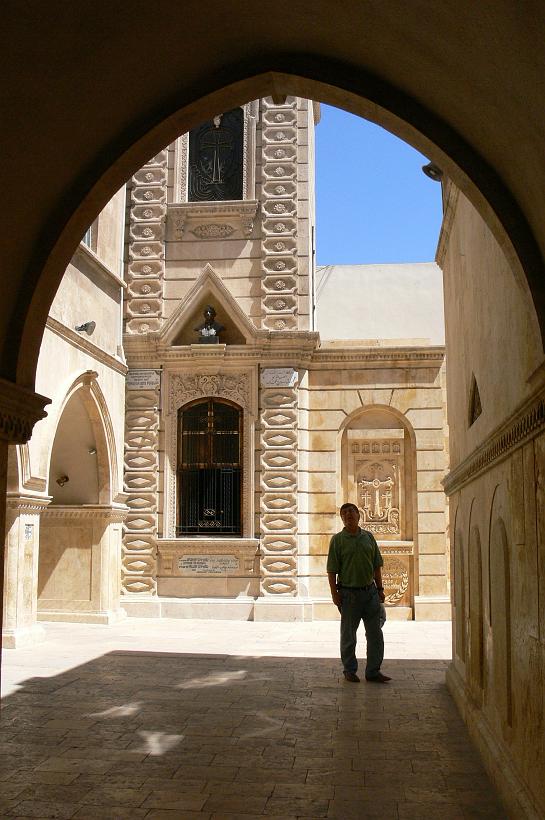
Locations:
210 329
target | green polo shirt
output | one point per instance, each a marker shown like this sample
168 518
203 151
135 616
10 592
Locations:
354 558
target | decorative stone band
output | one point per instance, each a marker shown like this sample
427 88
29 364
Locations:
30 504
111 514
20 409
519 428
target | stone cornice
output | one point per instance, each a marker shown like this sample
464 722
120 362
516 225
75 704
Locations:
27 503
20 409
388 356
450 200
241 211
112 514
90 259
208 546
77 340
526 423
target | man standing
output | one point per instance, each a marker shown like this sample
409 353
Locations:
355 578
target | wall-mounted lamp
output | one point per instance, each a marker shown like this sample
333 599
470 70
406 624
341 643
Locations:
62 480
433 171
86 327
92 451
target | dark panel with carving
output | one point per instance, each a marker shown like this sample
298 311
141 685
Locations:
216 157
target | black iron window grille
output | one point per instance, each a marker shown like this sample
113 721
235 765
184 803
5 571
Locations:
209 468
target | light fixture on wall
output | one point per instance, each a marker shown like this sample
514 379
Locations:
86 327
92 451
62 480
433 171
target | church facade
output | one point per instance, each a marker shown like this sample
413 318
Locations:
241 447
194 466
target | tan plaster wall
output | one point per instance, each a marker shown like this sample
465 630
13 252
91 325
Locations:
328 399
492 327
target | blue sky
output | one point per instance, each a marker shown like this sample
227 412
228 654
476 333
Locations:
373 203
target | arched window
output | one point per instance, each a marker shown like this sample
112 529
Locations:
216 151
209 468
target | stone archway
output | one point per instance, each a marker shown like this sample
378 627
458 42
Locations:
80 530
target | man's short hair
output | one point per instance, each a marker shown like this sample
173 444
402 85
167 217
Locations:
346 506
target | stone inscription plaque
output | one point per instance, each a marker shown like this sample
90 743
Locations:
396 580
278 377
208 564
143 379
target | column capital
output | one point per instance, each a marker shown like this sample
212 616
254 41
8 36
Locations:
20 409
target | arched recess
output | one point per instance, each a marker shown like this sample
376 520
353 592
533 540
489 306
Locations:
476 609
356 91
376 449
80 533
500 607
87 393
458 589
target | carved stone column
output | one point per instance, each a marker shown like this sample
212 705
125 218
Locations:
278 417
279 207
20 627
139 564
146 246
20 409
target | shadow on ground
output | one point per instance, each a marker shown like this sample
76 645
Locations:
155 735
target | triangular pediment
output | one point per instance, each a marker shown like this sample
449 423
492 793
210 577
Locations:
208 289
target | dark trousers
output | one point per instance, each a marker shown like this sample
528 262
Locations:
361 605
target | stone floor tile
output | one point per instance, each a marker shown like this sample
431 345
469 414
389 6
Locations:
424 811
364 810
299 806
109 813
241 804
38 808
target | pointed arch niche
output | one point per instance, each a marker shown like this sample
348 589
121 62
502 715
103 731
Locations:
378 474
80 532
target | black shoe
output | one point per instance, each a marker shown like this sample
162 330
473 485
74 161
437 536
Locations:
351 677
380 678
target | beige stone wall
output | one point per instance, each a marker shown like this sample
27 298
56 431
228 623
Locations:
497 509
404 386
83 374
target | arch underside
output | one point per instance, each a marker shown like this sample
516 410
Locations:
465 114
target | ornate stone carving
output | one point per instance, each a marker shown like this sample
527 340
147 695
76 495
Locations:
279 200
278 481
188 386
377 463
141 469
146 245
20 409
213 230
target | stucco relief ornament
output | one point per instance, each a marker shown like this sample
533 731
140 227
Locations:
279 284
186 387
280 189
279 171
144 327
149 176
145 289
148 195
280 246
279 227
280 153
146 269
213 231
279 117
279 208
280 136
145 308
280 324
280 265
280 304
148 213
147 232
146 250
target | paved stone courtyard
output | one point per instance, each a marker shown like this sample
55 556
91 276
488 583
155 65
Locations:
222 720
